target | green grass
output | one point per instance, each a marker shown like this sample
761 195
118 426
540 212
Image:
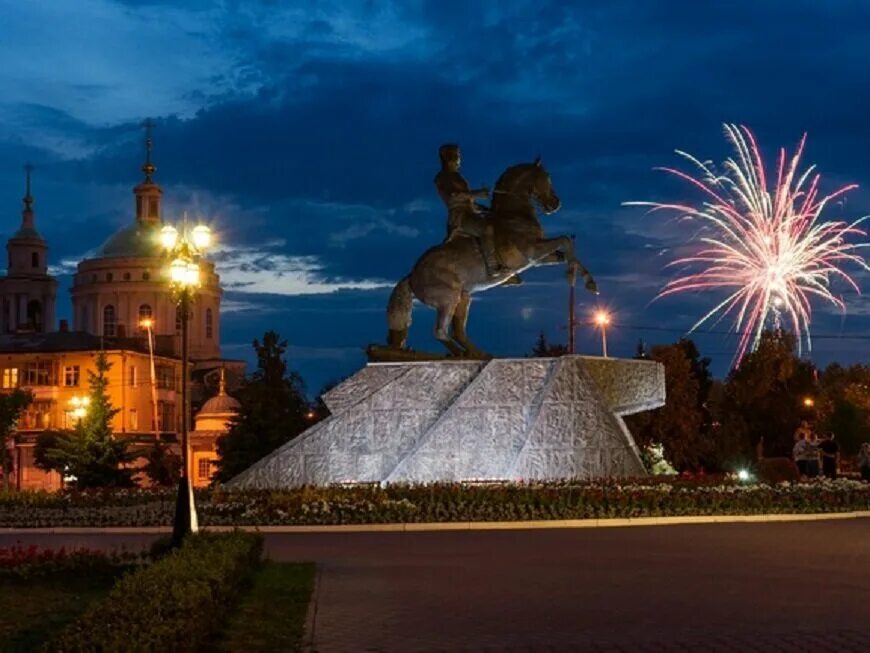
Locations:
271 612
32 611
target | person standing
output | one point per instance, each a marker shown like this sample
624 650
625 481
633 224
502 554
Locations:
864 461
806 456
830 452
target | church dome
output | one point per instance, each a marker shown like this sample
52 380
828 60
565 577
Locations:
138 240
220 404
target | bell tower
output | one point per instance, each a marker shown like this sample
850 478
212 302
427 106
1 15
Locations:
27 292
148 193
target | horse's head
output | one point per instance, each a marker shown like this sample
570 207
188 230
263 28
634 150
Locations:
529 181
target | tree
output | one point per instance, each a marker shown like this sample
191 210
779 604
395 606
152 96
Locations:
273 410
162 465
763 395
676 426
544 349
843 405
12 405
89 454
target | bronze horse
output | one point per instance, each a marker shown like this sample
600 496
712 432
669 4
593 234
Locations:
446 275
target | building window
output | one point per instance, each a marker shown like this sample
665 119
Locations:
71 376
109 321
134 419
94 278
126 276
109 276
36 417
145 313
133 376
165 377
10 377
34 315
209 323
203 468
145 276
34 259
166 412
85 326
39 373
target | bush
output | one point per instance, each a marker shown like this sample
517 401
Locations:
19 561
176 604
777 470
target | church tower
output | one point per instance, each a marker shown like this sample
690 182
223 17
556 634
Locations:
27 292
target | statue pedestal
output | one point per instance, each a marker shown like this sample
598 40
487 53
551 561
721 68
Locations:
453 420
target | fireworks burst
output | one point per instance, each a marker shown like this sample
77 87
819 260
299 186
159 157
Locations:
768 247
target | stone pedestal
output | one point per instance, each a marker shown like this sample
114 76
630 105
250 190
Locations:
501 420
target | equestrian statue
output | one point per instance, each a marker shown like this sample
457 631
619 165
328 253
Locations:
484 248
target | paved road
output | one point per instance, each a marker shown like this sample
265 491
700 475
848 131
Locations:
736 587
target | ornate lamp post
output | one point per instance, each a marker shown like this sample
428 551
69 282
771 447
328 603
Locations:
184 249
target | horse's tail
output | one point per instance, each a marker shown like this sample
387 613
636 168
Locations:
399 313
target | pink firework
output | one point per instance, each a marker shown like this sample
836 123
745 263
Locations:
768 247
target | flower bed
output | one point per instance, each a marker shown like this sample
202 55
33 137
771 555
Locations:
437 503
19 561
175 604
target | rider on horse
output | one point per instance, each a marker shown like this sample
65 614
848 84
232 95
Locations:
464 215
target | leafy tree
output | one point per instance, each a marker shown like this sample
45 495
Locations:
763 396
162 465
844 405
90 454
273 410
676 426
12 405
544 349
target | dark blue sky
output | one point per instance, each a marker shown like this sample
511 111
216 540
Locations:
309 138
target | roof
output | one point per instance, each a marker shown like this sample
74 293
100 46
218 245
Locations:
138 240
64 341
221 404
26 233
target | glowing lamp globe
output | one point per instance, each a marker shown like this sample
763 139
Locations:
201 236
602 318
168 237
178 271
191 274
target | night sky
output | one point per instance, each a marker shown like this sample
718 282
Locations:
308 137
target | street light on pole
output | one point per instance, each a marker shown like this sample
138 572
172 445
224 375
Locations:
148 324
184 250
602 319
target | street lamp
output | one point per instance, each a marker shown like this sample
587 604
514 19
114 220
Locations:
809 402
147 323
80 406
184 250
602 319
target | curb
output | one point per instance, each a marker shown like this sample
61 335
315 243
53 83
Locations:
460 526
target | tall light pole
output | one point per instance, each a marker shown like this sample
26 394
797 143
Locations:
148 324
184 249
602 319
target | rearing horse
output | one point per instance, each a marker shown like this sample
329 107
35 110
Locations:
446 275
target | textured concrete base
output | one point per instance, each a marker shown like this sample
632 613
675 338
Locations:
505 419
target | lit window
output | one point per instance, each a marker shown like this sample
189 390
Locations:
10 377
133 376
209 323
165 377
71 376
134 419
109 321
39 373
203 468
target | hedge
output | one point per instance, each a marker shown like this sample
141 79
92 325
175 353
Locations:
175 604
442 502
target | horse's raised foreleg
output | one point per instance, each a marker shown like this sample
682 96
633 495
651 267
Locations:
460 320
546 247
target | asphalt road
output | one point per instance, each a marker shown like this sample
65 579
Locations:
724 587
